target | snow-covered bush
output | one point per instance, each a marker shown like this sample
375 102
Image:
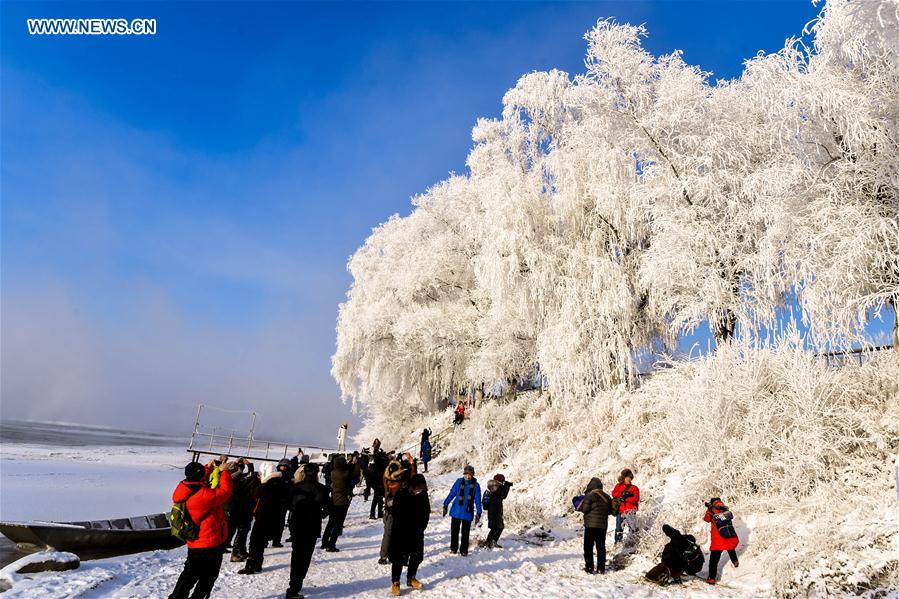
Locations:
803 453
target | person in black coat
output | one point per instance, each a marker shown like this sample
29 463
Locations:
270 499
596 507
377 467
497 491
411 512
240 514
680 555
308 506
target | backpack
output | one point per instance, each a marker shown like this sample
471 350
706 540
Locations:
183 526
485 501
693 558
724 522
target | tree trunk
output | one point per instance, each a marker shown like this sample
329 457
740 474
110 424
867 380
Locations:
895 304
724 331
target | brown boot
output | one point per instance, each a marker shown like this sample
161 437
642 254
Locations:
415 584
395 589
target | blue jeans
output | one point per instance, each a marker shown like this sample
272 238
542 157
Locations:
620 521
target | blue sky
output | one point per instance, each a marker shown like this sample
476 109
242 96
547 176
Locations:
178 209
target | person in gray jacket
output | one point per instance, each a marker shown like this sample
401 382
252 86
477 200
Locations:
596 507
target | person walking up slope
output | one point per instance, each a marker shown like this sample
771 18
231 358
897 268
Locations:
204 551
465 497
411 512
308 506
596 507
724 536
627 502
425 453
496 493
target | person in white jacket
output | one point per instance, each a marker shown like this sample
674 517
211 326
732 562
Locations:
341 437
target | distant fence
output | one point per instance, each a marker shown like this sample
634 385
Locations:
859 355
224 441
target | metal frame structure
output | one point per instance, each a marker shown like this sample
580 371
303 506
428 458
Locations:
227 442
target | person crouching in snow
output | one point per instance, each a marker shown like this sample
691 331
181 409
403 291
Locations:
465 496
204 504
724 536
596 507
268 513
497 491
411 512
627 501
308 506
680 555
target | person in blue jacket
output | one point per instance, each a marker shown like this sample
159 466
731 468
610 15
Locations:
465 497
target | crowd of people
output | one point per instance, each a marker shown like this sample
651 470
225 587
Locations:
229 506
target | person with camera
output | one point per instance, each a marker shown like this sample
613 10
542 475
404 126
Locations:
596 506
203 505
240 513
308 507
626 498
724 536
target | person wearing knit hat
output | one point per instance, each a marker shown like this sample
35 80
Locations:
465 497
496 493
204 505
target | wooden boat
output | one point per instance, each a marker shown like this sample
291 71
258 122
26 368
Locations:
118 533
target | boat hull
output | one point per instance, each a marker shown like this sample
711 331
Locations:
95 535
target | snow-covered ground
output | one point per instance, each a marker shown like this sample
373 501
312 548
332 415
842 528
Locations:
527 566
42 482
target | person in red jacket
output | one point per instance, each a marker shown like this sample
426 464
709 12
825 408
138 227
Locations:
724 536
629 494
204 504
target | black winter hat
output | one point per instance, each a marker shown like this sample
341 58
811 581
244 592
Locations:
310 469
194 472
468 469
284 462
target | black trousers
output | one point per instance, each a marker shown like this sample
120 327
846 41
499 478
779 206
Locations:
455 526
201 568
493 536
714 556
238 530
396 570
377 501
595 537
367 492
258 541
334 528
278 531
300 556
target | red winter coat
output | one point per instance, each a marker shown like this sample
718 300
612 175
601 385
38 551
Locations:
631 503
205 508
719 543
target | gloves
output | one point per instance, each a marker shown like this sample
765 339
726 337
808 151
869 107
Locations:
477 520
444 511
507 483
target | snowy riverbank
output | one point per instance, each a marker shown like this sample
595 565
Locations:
527 566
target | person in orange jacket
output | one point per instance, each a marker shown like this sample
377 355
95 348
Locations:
204 504
724 536
629 496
